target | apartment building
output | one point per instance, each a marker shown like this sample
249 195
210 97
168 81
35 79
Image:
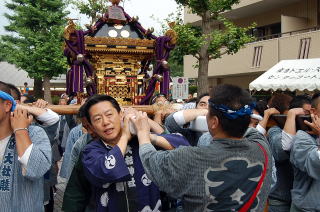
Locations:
286 29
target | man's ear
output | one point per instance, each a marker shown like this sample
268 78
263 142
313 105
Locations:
7 105
121 115
214 122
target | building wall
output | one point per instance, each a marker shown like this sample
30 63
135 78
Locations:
303 9
241 81
241 68
273 51
240 63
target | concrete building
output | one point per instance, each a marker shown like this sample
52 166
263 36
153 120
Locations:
286 29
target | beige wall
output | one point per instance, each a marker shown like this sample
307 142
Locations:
189 17
241 81
237 69
239 63
289 45
224 69
304 9
244 3
290 23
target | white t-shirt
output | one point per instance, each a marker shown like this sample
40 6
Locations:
25 157
3 145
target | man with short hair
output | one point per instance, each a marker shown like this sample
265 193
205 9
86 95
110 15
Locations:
25 156
49 121
111 162
305 159
232 173
281 141
176 121
15 93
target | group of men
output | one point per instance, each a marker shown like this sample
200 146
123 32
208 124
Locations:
124 161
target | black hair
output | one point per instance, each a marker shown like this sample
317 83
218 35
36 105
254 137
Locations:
81 113
94 100
299 101
200 97
29 99
280 101
261 106
5 88
315 100
193 100
71 97
15 92
234 98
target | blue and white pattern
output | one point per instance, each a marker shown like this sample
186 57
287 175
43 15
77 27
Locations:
6 168
25 192
232 196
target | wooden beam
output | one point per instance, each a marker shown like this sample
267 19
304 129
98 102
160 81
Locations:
149 109
73 109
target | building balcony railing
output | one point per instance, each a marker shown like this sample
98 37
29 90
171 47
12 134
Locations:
278 35
259 56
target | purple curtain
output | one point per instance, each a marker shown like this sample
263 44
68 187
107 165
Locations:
162 54
75 74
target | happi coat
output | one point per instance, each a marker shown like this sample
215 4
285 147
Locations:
221 176
119 182
21 189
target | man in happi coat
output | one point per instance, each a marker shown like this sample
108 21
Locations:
25 156
232 173
112 163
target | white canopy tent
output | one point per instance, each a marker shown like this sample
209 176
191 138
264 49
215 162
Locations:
290 75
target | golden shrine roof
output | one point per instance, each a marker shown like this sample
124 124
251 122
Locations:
119 45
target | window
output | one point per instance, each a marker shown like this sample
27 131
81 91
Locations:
257 56
304 48
267 31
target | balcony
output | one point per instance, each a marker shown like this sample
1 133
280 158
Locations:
259 56
244 9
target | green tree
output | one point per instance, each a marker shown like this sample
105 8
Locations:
215 37
35 44
91 8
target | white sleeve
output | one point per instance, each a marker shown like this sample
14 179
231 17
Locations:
179 118
48 118
286 141
261 129
25 158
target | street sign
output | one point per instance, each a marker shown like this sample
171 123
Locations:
180 88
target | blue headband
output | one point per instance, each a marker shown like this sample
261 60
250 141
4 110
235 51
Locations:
231 114
5 96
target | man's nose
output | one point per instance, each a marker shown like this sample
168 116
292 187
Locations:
106 121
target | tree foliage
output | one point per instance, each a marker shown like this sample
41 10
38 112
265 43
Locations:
91 8
215 36
215 7
35 41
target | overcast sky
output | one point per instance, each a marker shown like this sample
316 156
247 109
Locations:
142 8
